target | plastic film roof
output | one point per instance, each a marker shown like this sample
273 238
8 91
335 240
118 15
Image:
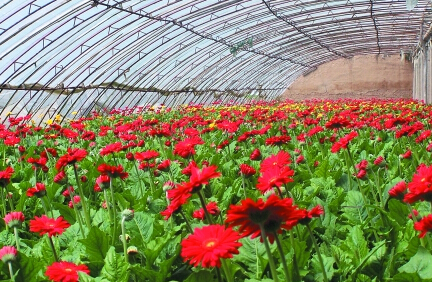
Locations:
73 57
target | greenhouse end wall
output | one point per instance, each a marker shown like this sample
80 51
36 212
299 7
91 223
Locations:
383 76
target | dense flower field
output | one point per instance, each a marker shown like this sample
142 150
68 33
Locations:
312 191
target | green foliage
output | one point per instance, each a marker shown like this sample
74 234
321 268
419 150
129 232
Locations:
115 267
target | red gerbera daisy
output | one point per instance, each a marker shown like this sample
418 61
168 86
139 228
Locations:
343 142
273 215
274 177
424 225
209 244
201 177
39 190
337 122
279 160
65 271
5 176
420 188
186 148
72 156
255 155
60 178
48 225
112 171
211 207
308 215
398 190
38 162
111 148
277 140
146 156
102 182
11 140
247 170
164 165
188 170
177 196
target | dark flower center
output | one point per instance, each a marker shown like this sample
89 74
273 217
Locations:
259 217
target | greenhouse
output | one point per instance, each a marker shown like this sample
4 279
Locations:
217 141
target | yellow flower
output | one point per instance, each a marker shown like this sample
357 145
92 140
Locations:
49 122
58 118
74 112
8 114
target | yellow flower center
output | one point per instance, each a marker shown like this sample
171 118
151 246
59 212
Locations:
210 243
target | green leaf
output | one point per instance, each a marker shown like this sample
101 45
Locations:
6 238
253 255
409 277
42 251
328 266
115 267
356 246
140 229
96 244
29 268
144 274
83 277
65 211
200 276
420 263
376 254
156 206
354 207
398 211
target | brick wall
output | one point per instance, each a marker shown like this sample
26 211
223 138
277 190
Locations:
359 77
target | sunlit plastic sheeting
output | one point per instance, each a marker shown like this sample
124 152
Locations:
70 57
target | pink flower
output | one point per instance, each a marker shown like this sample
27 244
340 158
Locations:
14 219
8 253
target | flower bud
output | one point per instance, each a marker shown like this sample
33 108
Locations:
132 250
128 238
128 214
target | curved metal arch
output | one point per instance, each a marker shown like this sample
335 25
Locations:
290 36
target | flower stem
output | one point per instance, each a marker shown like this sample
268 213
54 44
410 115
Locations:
77 213
227 271
269 254
151 179
243 184
11 271
295 274
3 199
203 204
219 277
53 248
318 253
186 220
124 240
107 202
282 255
17 238
83 200
114 210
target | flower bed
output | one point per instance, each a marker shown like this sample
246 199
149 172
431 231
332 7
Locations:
313 191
